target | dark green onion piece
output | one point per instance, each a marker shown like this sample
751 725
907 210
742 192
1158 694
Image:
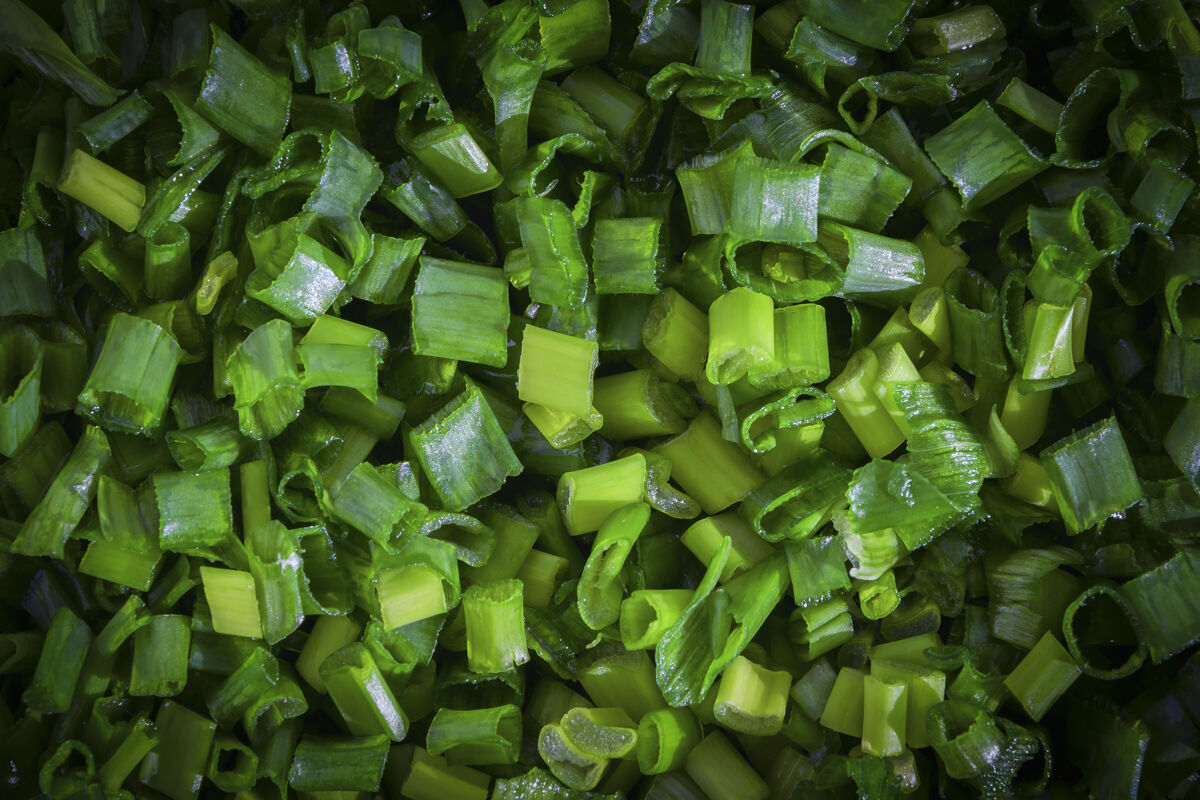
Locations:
1163 600
460 311
50 523
61 661
878 269
160 656
195 511
178 763
35 43
464 426
21 361
558 271
324 764
299 277
722 772
1092 475
626 255
882 26
982 157
242 96
130 385
201 448
478 736
361 694
266 384
24 286
858 190
116 122
794 503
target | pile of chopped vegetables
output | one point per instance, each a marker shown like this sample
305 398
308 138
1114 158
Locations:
666 399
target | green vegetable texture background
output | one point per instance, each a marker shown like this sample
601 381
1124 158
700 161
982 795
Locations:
599 399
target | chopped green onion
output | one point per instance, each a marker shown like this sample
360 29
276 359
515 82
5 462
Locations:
242 96
709 468
353 764
460 311
109 191
361 694
600 587
130 385
722 773
751 699
587 496
1092 475
160 656
179 761
233 601
1042 676
495 626
328 635
676 333
476 737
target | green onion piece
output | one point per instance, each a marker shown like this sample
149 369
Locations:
600 587
168 262
460 311
811 692
982 157
232 598
752 699
801 351
476 737
877 268
1162 600
1033 106
455 158
361 694
622 113
242 96
109 191
232 766
588 496
966 738
1092 475
1103 633
541 573
372 504
647 614
820 626
114 562
722 773
664 738
798 500
775 202
380 417
561 429
639 404
21 360
1182 441
218 272
676 333
854 391
37 45
556 370
569 763
975 324
741 335
265 381
24 286
344 764
817 567
59 665
409 594
707 184
254 677
626 256
465 425
1050 352
429 777
130 385
202 448
574 33
858 190
138 743
1161 195
275 563
328 635
384 276
50 523
600 732
926 688
885 716
178 763
882 27
495 626
299 277
160 656
714 471
1046 672
195 511
955 30
843 710
704 538
558 273
622 679
346 365
515 537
